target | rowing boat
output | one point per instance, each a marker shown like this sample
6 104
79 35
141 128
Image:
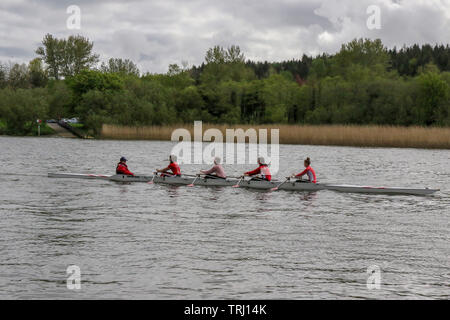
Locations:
250 183
290 184
115 177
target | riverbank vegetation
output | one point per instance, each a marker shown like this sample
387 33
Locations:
364 84
333 135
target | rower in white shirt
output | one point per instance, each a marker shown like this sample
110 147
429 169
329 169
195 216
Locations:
216 171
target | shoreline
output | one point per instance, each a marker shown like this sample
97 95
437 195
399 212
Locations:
437 138
323 135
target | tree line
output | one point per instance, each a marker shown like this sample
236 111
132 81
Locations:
363 83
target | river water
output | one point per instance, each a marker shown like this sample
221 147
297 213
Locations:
142 241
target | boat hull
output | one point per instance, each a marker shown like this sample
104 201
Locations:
201 181
115 177
79 176
174 180
249 183
380 190
125 178
207 182
302 186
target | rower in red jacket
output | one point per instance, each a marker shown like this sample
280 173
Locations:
122 167
263 170
173 166
308 171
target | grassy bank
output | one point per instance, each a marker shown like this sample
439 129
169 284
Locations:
33 131
45 130
2 127
335 135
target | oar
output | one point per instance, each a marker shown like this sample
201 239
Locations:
237 184
192 184
154 175
190 175
276 188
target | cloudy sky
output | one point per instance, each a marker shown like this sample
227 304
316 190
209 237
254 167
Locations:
156 33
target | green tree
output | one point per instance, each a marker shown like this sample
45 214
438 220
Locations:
216 55
37 75
252 102
176 78
60 100
224 65
67 57
77 56
51 53
122 66
88 80
365 53
3 76
229 99
18 76
189 104
433 95
280 95
21 108
319 115
94 109
92 91
318 69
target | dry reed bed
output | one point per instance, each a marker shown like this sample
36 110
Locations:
337 135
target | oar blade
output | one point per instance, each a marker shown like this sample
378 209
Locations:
238 183
192 184
278 186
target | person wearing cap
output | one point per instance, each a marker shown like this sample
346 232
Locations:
216 171
173 166
263 170
122 168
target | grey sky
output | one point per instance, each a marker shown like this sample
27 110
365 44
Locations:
157 33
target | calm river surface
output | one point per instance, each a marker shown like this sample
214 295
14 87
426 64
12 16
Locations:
142 241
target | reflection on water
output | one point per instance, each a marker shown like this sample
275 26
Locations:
157 241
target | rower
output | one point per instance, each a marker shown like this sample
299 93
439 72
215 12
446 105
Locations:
308 171
173 166
216 171
263 170
122 167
